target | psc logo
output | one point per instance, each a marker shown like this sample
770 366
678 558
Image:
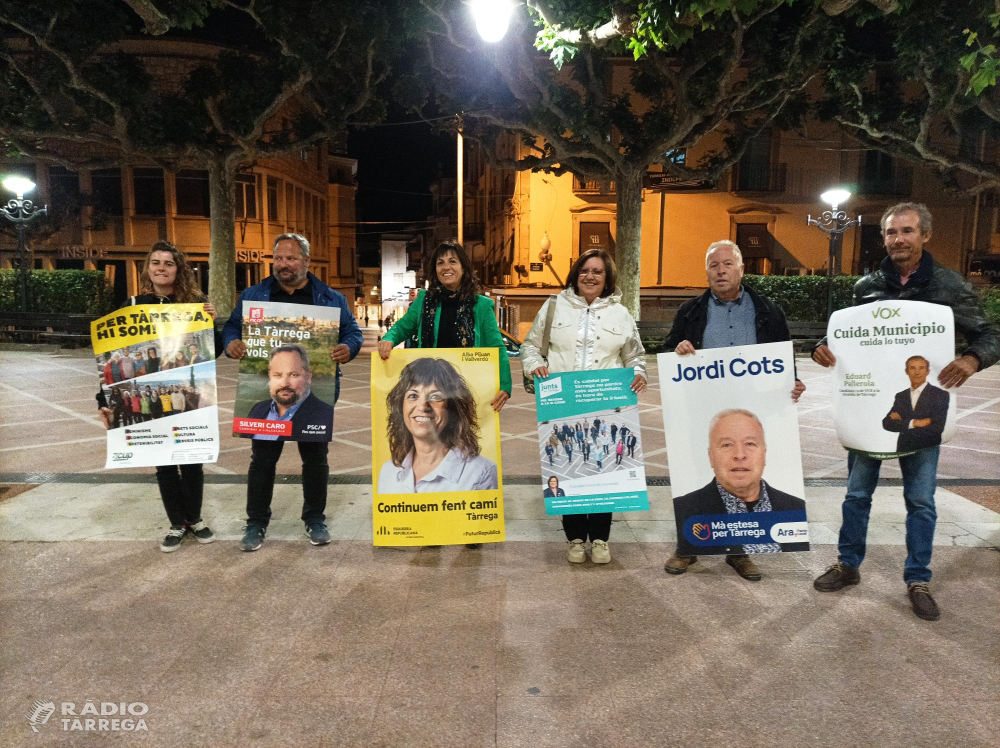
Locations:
883 312
256 314
701 531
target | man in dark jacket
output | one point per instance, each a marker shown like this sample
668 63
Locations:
727 314
908 272
919 412
291 283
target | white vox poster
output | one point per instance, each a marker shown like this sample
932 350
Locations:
886 401
733 448
157 368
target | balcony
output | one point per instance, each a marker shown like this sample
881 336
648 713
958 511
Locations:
759 178
592 187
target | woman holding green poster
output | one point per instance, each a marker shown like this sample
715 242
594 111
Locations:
589 330
167 278
451 314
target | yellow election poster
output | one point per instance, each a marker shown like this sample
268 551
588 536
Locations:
436 447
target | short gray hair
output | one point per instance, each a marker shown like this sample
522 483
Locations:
291 348
724 244
919 208
298 239
733 412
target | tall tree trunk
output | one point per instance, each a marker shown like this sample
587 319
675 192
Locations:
222 224
628 242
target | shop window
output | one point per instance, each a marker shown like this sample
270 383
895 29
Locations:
272 200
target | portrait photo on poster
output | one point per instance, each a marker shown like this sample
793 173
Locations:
434 438
288 383
886 398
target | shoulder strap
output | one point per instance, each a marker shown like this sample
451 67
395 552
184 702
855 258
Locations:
548 326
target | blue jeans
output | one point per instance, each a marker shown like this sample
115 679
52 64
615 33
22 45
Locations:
919 482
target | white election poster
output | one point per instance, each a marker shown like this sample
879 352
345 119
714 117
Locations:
732 433
886 398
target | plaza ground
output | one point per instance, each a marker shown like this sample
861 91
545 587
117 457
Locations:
509 645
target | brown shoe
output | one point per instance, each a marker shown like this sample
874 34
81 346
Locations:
922 602
679 564
836 577
744 567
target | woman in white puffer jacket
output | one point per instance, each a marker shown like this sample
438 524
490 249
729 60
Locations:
590 330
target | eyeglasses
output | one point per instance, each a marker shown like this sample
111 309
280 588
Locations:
596 273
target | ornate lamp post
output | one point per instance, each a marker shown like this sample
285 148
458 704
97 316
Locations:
834 223
21 212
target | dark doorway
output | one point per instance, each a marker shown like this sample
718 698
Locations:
757 245
596 236
872 250
115 271
62 264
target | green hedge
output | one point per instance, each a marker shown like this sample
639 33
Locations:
990 296
58 291
803 297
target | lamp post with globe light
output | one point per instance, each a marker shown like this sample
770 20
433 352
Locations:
834 223
21 212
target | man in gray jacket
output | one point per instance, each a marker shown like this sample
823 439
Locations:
908 272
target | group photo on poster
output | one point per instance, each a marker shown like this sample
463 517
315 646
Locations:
740 456
436 435
287 383
886 398
590 444
156 366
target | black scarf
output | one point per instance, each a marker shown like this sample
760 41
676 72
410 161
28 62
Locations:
456 328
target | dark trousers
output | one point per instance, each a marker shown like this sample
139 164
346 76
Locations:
260 480
584 526
181 488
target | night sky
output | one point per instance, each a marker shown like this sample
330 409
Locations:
397 163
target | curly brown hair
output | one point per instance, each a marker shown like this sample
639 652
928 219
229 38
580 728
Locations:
186 289
462 429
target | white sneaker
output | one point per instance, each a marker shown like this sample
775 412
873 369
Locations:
576 554
599 552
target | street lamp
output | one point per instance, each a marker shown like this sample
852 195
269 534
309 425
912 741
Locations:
21 212
834 223
492 18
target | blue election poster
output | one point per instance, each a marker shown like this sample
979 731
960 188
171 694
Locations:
589 442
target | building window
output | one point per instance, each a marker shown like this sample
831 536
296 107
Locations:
192 193
64 186
272 199
246 196
881 174
106 188
755 171
147 186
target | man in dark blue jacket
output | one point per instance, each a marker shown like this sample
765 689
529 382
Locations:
290 283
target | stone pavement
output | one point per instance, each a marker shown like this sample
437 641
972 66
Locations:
509 645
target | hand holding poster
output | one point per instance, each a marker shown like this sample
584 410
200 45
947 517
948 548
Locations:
157 368
733 449
436 447
288 383
885 399
589 443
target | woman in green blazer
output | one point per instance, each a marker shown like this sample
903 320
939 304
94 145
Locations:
451 314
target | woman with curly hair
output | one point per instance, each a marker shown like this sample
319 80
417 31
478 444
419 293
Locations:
433 433
167 278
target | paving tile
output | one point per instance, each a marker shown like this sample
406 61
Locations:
555 721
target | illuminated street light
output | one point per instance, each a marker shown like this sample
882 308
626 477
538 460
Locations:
492 18
21 212
834 223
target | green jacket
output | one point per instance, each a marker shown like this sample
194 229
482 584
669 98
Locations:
487 332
